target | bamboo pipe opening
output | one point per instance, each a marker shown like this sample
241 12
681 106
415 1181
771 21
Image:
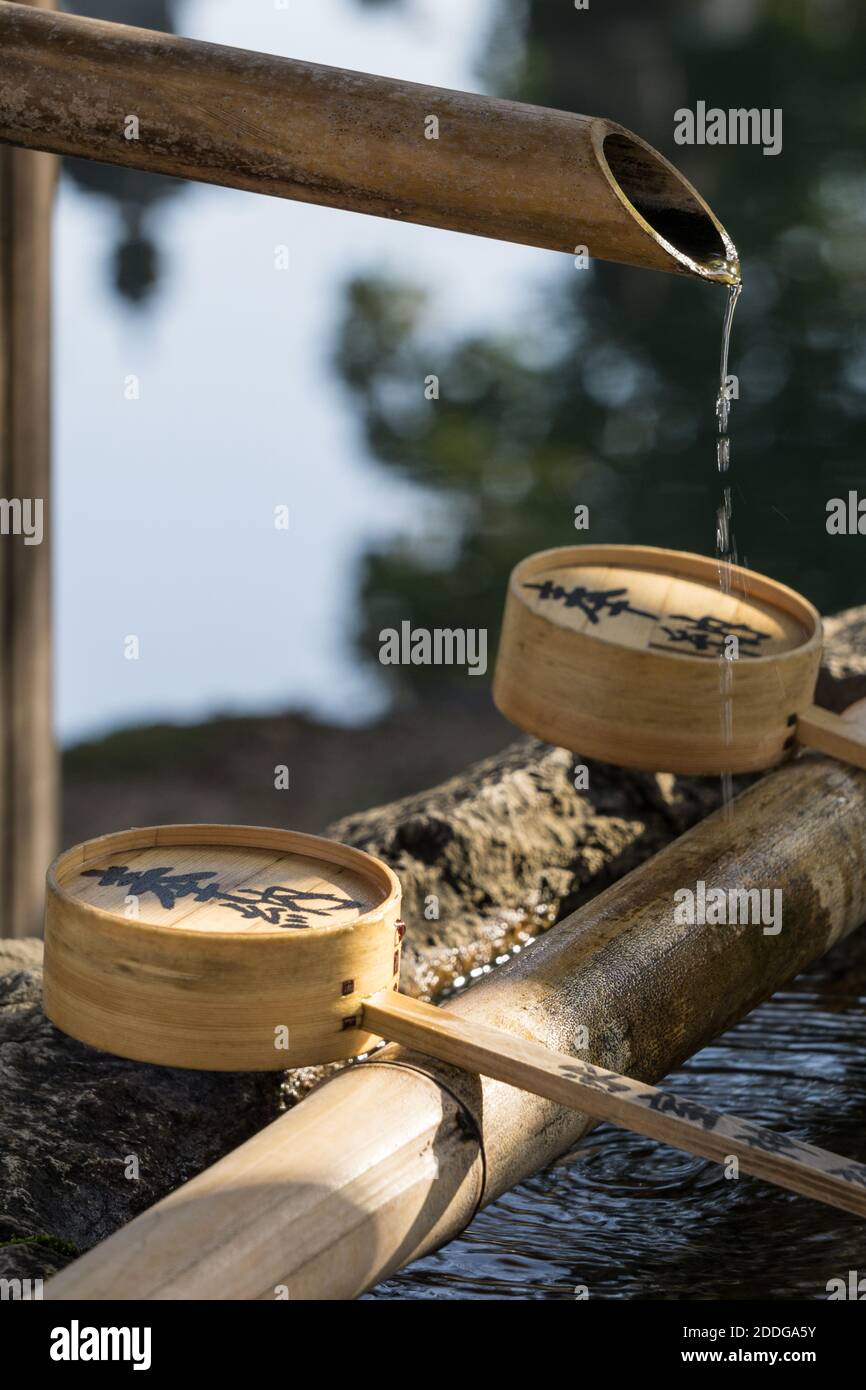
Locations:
513 172
667 205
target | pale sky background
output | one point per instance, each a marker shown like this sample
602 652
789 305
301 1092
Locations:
163 507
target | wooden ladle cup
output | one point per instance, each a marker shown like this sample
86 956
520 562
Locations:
665 661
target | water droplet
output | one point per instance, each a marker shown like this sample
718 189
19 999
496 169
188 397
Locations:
723 453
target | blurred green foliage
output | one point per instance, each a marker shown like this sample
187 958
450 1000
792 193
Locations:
605 395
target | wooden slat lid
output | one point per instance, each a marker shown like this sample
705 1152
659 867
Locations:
630 597
225 879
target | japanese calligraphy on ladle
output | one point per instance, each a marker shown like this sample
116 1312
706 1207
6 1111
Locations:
698 635
277 906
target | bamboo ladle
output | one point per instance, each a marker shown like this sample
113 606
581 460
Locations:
637 656
234 948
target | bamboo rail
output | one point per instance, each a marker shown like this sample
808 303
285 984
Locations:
28 760
393 1157
351 140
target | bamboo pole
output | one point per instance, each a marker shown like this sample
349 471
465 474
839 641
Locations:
345 139
608 1095
28 765
394 1156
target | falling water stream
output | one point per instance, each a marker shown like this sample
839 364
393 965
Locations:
726 546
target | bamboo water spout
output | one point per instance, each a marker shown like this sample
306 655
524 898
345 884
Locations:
350 140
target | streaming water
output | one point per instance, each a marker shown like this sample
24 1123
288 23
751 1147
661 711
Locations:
726 546
631 1219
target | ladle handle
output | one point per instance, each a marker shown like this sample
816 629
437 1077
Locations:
843 736
606 1095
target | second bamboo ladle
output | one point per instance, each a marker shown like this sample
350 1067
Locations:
664 661
233 948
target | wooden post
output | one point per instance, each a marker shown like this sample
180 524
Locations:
351 140
28 780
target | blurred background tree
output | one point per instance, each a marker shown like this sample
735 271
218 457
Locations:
605 397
